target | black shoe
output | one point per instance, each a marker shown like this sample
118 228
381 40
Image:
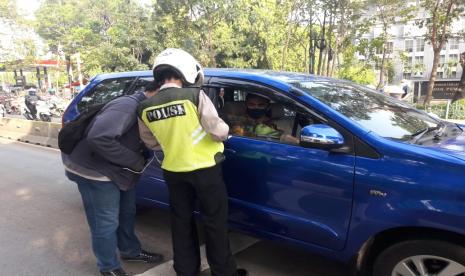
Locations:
241 272
145 256
116 272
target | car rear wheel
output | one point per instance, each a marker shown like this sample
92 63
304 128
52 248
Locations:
421 258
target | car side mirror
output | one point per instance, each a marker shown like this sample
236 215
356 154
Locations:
321 136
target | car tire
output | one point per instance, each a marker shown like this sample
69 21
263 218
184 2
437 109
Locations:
410 257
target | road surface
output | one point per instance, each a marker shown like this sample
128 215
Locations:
43 230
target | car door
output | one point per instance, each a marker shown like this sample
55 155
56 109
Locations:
283 189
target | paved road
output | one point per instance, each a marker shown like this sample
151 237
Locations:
43 230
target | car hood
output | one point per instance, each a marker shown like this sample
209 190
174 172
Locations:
453 147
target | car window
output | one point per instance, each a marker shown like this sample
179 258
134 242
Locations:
376 112
105 91
141 84
280 120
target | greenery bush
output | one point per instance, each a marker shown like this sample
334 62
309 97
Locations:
456 110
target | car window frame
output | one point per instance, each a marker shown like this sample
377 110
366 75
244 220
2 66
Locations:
91 91
132 90
218 82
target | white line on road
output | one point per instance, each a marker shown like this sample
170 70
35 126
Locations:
238 242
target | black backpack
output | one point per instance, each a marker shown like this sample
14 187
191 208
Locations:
74 131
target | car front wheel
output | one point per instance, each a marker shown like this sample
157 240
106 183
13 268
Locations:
421 258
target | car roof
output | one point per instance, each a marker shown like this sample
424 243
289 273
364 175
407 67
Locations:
278 79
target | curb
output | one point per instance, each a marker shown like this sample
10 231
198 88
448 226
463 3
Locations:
33 132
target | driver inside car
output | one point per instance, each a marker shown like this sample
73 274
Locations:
257 121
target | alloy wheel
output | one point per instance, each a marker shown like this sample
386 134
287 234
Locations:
428 265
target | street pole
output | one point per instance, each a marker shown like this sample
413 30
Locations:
78 61
38 78
3 80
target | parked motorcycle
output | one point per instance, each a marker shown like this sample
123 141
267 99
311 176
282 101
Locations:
57 109
43 112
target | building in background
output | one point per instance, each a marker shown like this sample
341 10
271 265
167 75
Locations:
410 54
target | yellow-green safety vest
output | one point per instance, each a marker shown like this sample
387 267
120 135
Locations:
173 118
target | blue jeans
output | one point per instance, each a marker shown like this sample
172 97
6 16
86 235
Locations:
111 214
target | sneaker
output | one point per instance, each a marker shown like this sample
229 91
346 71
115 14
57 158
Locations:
144 256
116 272
241 272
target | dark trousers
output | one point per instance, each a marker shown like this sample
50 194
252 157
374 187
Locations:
111 215
207 186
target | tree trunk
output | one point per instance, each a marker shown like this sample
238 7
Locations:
323 68
381 73
322 44
432 78
286 45
328 52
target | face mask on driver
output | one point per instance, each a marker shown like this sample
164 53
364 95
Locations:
256 113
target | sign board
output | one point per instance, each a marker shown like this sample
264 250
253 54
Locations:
443 89
20 80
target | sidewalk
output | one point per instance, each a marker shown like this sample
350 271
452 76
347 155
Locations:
457 121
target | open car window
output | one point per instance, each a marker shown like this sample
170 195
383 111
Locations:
281 122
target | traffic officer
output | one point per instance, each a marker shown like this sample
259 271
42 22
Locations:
184 122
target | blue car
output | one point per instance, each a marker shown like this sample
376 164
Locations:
370 182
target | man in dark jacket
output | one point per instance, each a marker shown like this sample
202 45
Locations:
31 100
106 166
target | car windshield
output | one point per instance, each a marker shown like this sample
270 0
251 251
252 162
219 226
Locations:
379 113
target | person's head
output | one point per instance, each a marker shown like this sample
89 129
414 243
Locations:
177 66
151 89
257 106
31 92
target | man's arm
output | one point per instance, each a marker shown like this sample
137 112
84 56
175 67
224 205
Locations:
103 138
210 120
147 136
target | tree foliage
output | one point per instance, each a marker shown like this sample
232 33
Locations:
442 13
290 35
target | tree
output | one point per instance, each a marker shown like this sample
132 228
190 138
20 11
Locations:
109 35
354 70
442 13
8 9
388 13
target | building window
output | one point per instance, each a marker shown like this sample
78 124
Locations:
440 75
407 75
389 47
410 61
420 44
442 60
409 46
454 43
444 46
454 58
419 60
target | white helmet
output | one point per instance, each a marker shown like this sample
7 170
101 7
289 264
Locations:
182 62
